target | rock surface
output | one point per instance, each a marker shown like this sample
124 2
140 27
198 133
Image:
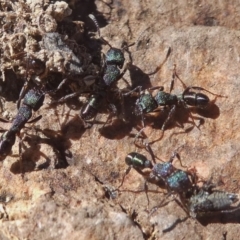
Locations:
74 201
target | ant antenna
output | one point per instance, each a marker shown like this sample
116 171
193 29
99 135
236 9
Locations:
149 149
92 17
96 23
138 42
25 85
176 154
126 46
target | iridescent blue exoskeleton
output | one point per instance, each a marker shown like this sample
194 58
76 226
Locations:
176 181
194 200
32 101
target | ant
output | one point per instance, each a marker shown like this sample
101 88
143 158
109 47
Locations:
194 200
32 101
165 174
111 72
147 103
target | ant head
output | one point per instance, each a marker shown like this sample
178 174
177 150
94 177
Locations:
34 98
35 66
115 56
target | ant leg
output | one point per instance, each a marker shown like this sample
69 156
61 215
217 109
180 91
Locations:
191 116
178 220
176 75
125 47
160 88
170 116
160 66
182 206
175 154
4 120
158 139
35 119
202 89
149 149
22 93
20 146
67 97
189 111
61 84
70 96
173 79
1 104
113 112
192 172
127 171
137 89
127 66
140 191
126 82
123 111
88 80
146 192
105 41
140 132
161 204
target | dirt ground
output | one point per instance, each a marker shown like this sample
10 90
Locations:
63 187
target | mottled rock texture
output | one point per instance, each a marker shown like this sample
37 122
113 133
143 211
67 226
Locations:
73 202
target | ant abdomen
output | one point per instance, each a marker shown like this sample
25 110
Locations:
196 99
